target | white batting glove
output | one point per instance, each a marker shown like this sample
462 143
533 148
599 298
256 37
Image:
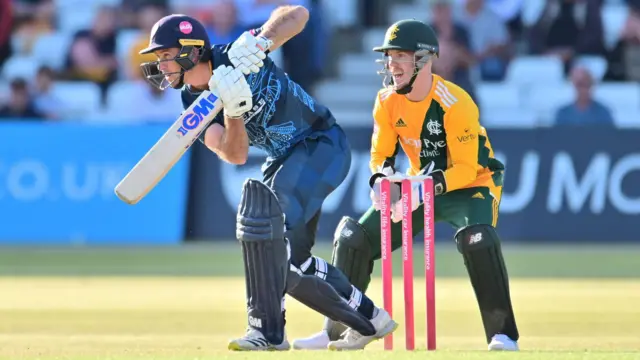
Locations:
232 88
247 52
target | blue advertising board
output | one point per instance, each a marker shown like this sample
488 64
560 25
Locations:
57 186
562 184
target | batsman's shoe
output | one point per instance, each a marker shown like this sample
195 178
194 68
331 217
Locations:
253 340
353 340
502 342
318 341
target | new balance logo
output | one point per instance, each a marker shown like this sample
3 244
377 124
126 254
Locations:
478 196
255 322
476 238
400 123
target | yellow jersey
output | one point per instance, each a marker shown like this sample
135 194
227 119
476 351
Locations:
443 128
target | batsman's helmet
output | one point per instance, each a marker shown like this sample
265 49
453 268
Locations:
408 35
176 31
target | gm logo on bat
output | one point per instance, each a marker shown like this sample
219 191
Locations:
194 118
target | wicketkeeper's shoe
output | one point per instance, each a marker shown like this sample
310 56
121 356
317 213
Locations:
501 342
253 340
353 340
318 341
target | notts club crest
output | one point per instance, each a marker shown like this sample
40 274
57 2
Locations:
434 127
392 33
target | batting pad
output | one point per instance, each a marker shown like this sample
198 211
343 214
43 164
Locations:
320 296
351 255
260 230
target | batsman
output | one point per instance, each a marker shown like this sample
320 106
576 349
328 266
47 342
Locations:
307 157
436 124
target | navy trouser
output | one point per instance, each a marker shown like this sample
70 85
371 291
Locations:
302 181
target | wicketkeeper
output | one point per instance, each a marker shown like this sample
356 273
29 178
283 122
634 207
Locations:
436 124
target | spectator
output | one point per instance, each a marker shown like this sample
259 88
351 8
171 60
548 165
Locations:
456 57
254 13
143 102
303 55
147 17
20 104
223 27
45 102
6 24
131 9
300 54
489 39
624 54
32 19
585 110
567 28
93 52
510 11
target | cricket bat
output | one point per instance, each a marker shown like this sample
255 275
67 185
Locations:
167 151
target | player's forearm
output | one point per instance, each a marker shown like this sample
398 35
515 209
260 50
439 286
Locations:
285 22
234 147
384 148
377 162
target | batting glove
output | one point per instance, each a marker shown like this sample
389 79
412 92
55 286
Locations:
232 88
247 52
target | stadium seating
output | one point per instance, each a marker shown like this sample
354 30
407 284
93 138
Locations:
46 49
533 89
498 97
80 99
527 70
19 66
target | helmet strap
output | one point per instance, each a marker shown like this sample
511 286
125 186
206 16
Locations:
180 83
407 88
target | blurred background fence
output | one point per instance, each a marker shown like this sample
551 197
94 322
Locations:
556 82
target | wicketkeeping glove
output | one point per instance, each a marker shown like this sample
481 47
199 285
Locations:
417 189
374 183
231 87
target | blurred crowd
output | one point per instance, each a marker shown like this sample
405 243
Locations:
479 39
106 51
485 35
484 32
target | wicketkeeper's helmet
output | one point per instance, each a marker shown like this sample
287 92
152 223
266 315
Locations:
409 35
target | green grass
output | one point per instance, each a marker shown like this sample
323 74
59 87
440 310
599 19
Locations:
185 303
192 318
224 259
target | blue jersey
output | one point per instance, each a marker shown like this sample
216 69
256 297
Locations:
283 114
